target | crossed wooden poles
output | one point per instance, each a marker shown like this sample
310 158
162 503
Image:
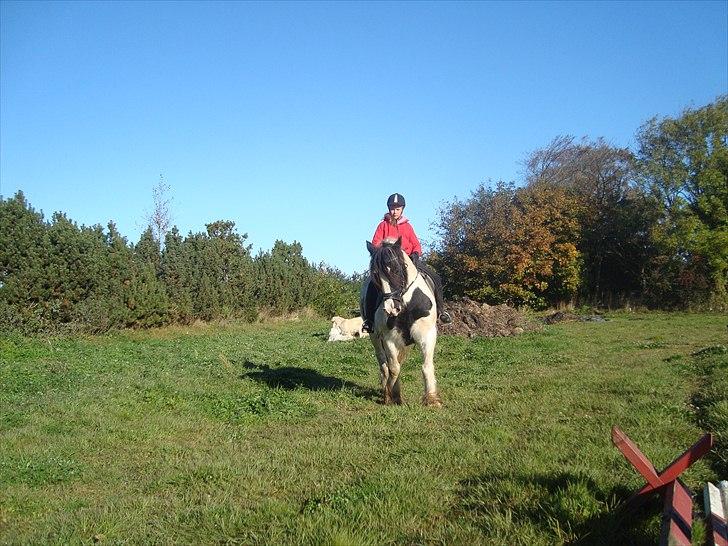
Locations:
677 516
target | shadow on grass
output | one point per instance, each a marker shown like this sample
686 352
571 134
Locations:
291 377
711 363
569 508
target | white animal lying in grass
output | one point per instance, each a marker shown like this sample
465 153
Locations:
346 329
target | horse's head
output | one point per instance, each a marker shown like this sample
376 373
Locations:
390 269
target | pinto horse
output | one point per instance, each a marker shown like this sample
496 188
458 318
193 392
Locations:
406 314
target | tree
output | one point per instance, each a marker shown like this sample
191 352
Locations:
332 292
683 168
543 254
24 250
284 278
510 245
76 267
147 250
176 274
227 262
160 219
613 223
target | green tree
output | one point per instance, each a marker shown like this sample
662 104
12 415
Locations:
148 250
77 268
24 249
332 292
683 167
229 265
176 273
284 278
613 215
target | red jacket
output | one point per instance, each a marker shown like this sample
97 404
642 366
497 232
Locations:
403 229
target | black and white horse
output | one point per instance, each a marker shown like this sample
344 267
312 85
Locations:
406 314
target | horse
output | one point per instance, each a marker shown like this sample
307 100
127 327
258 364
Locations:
406 315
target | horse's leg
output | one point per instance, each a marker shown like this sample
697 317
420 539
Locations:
393 383
427 345
383 368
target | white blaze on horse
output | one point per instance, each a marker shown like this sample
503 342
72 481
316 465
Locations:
405 315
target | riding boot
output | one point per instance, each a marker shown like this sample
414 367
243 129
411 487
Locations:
370 308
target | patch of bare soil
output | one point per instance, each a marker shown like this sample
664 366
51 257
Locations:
567 316
471 319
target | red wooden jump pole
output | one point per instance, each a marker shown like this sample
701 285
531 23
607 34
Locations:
677 516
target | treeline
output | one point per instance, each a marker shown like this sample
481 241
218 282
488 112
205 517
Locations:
594 224
56 276
588 224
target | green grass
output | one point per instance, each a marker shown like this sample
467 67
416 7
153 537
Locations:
262 434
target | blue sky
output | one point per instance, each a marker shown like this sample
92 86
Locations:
297 120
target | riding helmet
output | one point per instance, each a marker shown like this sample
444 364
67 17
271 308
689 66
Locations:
395 200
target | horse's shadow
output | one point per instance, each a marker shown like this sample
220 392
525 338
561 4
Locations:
292 377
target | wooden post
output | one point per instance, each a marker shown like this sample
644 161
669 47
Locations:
677 517
715 511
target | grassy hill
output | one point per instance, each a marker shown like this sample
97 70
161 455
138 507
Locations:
262 434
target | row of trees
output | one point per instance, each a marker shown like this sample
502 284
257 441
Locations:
589 223
601 225
55 274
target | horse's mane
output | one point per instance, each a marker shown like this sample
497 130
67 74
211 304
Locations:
387 255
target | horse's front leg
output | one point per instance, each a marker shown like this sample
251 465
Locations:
393 366
394 384
383 369
427 345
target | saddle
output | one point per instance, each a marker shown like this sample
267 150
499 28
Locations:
428 279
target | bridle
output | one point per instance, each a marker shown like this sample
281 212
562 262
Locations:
397 295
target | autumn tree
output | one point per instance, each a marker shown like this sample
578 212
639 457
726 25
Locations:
613 216
511 245
543 253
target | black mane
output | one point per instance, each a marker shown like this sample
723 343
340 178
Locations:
388 255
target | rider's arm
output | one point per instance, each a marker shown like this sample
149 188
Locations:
378 234
415 243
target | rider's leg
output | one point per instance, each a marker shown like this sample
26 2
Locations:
439 300
370 307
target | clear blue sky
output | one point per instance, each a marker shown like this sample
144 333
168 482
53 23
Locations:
297 120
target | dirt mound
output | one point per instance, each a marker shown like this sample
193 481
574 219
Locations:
470 319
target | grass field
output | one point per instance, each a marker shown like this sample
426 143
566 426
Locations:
267 434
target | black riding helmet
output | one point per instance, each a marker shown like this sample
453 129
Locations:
395 200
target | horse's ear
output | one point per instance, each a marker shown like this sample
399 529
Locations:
398 242
371 248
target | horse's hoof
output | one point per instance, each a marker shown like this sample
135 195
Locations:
432 399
